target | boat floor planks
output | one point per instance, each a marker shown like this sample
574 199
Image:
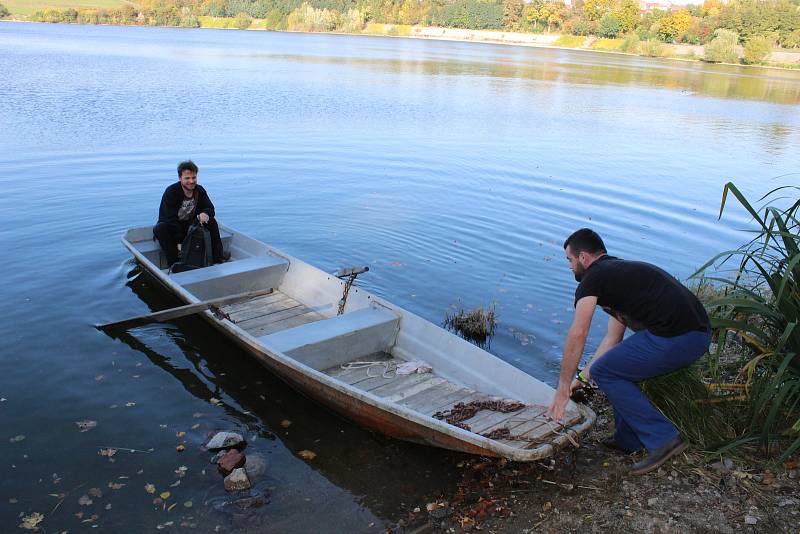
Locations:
427 394
270 313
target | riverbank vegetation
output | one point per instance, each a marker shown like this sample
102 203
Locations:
746 391
748 29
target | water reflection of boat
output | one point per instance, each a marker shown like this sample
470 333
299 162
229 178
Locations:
347 360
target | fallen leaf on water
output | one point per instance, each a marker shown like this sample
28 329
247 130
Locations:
180 434
158 501
175 484
431 506
180 448
115 485
95 492
91 519
171 506
108 506
286 423
307 455
99 377
187 504
58 495
85 500
129 404
149 488
30 522
16 438
396 264
214 400
107 452
181 470
198 415
165 495
79 515
195 426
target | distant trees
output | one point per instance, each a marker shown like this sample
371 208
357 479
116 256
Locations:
751 21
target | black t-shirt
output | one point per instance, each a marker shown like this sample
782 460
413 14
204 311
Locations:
642 296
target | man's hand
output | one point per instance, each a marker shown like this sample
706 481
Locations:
556 409
202 217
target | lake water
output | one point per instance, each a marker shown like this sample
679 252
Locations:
453 170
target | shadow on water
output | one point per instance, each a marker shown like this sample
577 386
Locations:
383 474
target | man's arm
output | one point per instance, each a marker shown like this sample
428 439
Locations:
168 209
573 349
613 336
204 204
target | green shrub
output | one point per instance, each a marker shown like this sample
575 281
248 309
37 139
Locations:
570 41
652 48
630 43
722 48
189 21
4 12
609 26
757 50
607 44
242 21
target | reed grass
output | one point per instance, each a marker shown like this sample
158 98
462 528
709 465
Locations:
758 308
476 325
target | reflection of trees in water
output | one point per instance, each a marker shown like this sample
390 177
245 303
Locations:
581 67
386 474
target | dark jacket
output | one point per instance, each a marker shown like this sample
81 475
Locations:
173 198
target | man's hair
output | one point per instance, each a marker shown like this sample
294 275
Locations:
187 165
585 240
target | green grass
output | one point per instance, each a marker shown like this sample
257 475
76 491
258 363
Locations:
217 22
570 41
29 7
608 44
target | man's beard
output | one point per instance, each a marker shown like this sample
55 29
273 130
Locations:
579 272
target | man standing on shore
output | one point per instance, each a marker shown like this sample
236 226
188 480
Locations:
671 331
182 203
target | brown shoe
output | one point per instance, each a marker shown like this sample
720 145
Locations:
656 458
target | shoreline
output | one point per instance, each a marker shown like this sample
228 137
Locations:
677 52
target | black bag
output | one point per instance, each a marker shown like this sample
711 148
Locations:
196 250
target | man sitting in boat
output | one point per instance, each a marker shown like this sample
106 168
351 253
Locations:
181 204
671 331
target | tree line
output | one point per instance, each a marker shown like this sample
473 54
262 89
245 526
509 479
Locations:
765 22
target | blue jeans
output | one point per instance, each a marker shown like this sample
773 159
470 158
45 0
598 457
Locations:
619 371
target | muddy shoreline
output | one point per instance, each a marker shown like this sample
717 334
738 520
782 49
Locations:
589 489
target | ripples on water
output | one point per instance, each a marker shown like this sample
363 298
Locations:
454 170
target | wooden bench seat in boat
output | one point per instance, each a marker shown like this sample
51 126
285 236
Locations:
233 277
329 342
151 249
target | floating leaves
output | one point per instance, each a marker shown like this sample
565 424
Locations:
214 401
115 485
107 452
286 423
307 455
149 488
164 495
86 425
31 522
95 492
85 500
130 404
187 504
180 448
16 439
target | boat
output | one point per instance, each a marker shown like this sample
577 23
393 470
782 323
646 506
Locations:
347 349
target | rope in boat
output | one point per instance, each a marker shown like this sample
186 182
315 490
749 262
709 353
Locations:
389 368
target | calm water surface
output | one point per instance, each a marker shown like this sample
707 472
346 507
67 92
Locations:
453 170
